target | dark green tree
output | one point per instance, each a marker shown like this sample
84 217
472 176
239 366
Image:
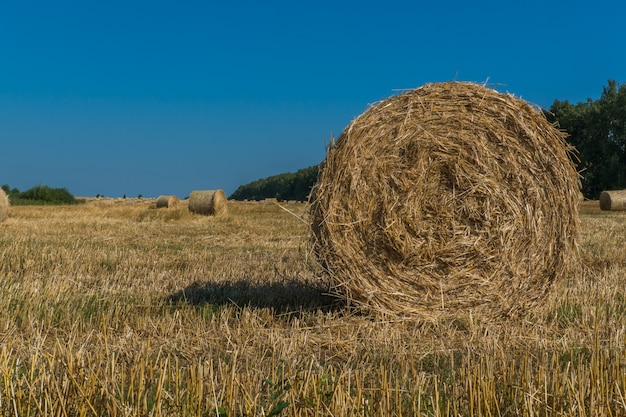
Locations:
597 130
43 194
288 186
9 191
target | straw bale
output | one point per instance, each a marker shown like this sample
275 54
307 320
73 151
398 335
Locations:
448 199
4 204
613 200
208 202
167 201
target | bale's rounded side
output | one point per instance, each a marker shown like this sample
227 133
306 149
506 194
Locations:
613 200
208 202
4 205
167 201
446 199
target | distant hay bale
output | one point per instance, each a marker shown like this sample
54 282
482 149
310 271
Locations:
447 199
613 200
4 205
208 202
167 201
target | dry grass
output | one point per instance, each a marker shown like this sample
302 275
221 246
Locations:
447 198
120 309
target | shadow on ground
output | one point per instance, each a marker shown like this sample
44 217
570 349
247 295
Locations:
287 296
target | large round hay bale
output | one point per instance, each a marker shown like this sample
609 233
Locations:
167 201
4 204
208 202
613 200
446 199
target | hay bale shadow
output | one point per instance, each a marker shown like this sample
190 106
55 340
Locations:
289 296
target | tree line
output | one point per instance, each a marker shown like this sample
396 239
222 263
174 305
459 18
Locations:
289 186
39 195
597 129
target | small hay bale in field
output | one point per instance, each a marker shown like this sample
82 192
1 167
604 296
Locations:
446 199
613 200
4 204
167 201
208 202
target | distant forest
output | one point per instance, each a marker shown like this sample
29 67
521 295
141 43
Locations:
39 195
597 129
289 186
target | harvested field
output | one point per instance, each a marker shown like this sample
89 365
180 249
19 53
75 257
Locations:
133 311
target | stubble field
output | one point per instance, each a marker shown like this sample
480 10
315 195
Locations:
119 309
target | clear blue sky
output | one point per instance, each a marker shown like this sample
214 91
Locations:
153 97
